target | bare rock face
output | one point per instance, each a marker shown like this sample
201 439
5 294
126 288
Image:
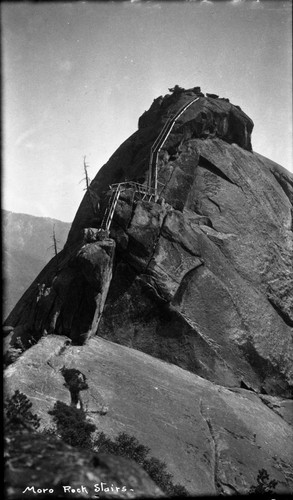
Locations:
202 278
69 294
214 440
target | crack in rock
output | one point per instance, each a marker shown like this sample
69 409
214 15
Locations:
215 454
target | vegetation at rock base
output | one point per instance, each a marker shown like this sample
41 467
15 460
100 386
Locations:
73 428
94 198
17 413
264 485
71 425
128 446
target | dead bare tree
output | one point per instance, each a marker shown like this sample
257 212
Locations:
86 178
55 244
94 198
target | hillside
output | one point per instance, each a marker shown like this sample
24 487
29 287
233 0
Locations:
26 249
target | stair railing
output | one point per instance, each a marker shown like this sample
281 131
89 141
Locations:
109 212
116 190
146 191
160 141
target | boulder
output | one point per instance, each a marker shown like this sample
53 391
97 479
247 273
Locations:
52 469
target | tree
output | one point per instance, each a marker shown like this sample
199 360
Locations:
94 199
17 413
264 485
86 177
72 426
55 244
128 446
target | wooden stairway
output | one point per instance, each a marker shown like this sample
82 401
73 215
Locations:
146 192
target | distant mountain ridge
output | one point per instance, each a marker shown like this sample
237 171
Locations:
26 249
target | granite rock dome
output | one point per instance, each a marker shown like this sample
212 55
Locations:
202 277
193 278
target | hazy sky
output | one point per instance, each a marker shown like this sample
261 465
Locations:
77 76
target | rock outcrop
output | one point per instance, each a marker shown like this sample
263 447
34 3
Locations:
199 277
213 439
203 277
52 469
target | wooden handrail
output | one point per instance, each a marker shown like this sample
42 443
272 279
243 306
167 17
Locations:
119 187
160 141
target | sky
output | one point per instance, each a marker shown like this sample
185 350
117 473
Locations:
77 76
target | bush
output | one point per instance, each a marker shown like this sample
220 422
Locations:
128 446
124 445
72 425
73 428
50 432
17 413
264 486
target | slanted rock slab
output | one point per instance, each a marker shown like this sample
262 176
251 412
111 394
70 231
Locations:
213 440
